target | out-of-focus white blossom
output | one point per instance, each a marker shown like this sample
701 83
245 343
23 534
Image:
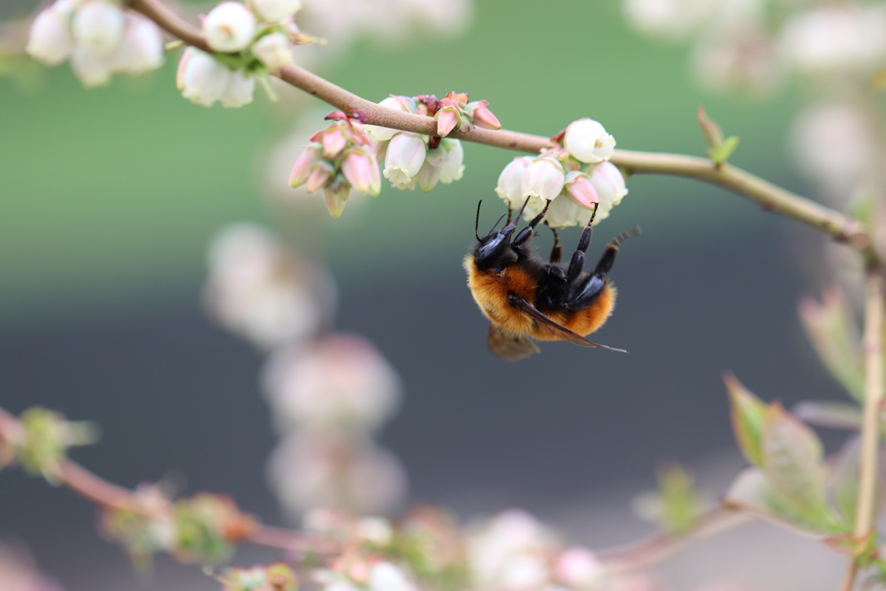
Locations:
375 530
239 90
610 186
18 573
384 576
511 551
586 140
50 39
835 37
98 26
309 470
579 569
142 47
669 19
274 50
404 158
93 69
736 58
263 292
229 27
340 382
835 144
276 10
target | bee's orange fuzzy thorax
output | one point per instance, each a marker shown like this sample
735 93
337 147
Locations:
490 290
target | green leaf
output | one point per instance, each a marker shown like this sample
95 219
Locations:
720 154
752 492
679 501
833 332
844 476
792 462
747 419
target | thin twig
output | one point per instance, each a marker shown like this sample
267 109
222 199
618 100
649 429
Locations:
870 426
771 197
662 545
99 491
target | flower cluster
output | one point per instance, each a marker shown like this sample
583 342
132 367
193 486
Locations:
455 112
249 41
98 36
42 441
329 397
339 158
576 177
269 577
411 158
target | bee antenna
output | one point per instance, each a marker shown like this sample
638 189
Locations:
498 221
477 221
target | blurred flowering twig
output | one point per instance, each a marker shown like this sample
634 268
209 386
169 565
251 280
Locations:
771 197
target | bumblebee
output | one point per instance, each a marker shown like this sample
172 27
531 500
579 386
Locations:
527 299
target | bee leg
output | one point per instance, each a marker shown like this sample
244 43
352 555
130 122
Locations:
589 288
608 257
578 257
557 250
526 233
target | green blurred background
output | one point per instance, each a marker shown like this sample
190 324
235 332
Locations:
108 199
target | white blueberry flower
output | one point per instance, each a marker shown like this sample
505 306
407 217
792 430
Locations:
404 158
309 470
92 68
229 27
578 568
610 186
201 79
510 179
239 90
384 576
98 26
383 134
509 551
542 180
340 382
586 140
142 47
50 39
274 51
276 10
453 167
575 205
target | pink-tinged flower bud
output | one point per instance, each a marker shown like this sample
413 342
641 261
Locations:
543 179
404 158
333 141
360 168
509 181
453 168
50 38
336 195
579 187
238 91
610 185
276 10
586 140
320 176
142 46
202 80
274 51
428 176
303 166
229 27
447 119
93 69
98 26
481 116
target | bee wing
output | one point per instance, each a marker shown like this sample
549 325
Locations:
509 346
557 329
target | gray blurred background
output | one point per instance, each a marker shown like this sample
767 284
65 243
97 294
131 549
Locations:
108 198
